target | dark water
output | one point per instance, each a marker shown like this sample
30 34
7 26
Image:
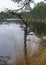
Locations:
12 40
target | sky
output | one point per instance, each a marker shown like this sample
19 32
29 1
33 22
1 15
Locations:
4 4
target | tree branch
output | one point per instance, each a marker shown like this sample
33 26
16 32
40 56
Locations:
23 5
14 13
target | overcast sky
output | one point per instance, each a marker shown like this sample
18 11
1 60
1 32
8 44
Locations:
11 5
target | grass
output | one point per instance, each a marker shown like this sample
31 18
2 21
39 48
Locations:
38 58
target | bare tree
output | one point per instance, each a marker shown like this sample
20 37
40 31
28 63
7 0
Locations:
14 12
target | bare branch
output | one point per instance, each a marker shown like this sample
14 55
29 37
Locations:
23 5
14 13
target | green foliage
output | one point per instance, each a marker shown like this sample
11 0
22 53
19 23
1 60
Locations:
1 16
39 28
39 10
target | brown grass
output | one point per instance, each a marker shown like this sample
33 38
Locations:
38 58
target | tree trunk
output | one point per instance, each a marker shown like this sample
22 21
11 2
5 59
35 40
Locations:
25 46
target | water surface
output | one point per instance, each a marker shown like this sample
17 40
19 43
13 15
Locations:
12 40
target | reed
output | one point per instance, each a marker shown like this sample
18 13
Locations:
38 58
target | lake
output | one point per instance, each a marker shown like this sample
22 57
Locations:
12 40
